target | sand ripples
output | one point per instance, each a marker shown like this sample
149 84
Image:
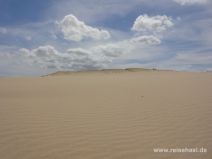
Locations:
104 119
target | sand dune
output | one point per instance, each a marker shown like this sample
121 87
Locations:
103 71
122 115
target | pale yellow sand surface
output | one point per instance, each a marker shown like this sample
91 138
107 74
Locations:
106 115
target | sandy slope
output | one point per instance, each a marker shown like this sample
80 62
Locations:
120 115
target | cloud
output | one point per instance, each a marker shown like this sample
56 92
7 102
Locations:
190 2
87 55
72 59
76 30
149 40
152 24
3 30
95 57
48 57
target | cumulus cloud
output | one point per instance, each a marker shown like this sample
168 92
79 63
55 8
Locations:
3 30
73 59
50 58
190 2
152 24
76 30
95 57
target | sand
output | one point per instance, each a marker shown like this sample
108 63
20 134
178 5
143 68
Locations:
106 115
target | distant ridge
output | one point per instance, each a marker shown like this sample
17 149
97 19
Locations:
58 73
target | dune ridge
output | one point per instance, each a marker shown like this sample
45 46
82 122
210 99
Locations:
59 73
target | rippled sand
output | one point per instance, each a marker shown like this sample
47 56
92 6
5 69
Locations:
106 115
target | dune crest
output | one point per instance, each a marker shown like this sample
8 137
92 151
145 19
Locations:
59 73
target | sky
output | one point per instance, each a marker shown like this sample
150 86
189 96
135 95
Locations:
38 37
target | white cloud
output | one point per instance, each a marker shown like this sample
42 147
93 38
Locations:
190 2
3 30
76 30
149 40
73 59
48 57
95 57
152 24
